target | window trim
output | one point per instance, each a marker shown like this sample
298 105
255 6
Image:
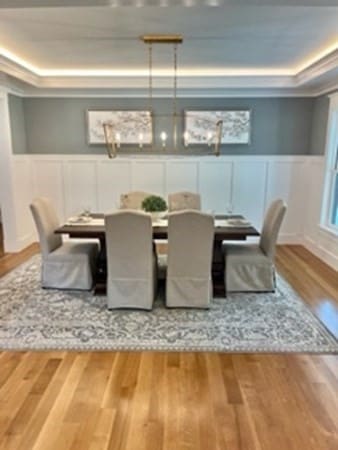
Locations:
331 168
333 180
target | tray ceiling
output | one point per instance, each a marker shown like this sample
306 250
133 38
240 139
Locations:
229 41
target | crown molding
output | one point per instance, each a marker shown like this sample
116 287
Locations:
317 79
18 71
319 68
327 90
165 83
182 93
167 3
10 85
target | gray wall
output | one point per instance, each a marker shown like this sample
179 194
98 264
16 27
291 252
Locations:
18 126
57 125
319 125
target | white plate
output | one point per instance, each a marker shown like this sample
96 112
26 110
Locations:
238 223
79 219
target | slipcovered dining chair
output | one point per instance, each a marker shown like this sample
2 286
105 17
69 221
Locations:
190 246
133 199
250 268
131 260
179 201
65 265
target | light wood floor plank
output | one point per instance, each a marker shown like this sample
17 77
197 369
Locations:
177 401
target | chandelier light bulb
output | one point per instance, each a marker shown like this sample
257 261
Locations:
140 138
186 138
209 137
163 137
118 139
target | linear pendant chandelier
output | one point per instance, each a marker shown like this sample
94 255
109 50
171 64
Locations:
112 135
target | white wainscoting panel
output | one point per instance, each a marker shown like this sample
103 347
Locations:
81 186
48 178
286 180
249 190
148 176
22 179
314 192
182 176
243 184
114 179
215 181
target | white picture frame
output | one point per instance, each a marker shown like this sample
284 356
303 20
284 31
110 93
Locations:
200 126
130 125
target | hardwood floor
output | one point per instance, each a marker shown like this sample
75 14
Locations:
314 281
197 401
11 260
2 251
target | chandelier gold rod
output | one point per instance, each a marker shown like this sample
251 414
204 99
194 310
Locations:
175 98
150 55
162 38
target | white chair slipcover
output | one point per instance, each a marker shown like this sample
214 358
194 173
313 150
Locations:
133 200
179 201
131 260
66 265
190 247
251 267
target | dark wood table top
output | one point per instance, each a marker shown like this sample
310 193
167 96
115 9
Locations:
159 232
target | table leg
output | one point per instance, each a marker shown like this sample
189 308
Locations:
218 270
100 278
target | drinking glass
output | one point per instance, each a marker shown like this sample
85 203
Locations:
86 211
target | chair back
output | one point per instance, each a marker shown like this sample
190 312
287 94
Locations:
133 200
130 263
271 226
179 201
46 222
190 244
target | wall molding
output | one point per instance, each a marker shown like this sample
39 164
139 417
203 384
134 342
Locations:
18 71
325 65
309 81
244 184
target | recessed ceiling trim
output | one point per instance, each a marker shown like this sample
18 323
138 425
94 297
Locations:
16 70
319 56
23 70
320 67
165 93
158 3
43 72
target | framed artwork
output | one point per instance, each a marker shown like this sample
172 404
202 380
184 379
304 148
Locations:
200 126
130 127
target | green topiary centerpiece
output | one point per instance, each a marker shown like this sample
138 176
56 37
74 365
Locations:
154 203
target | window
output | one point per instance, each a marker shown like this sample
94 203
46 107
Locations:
330 215
334 193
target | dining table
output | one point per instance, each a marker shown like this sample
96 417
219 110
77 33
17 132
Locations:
227 228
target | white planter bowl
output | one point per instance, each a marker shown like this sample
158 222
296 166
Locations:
156 216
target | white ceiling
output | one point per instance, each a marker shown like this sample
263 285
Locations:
227 40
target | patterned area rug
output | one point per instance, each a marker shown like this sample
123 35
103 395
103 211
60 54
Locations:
32 318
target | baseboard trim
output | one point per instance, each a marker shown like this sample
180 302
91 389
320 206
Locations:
21 243
329 258
290 238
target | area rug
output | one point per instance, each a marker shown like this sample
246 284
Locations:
32 318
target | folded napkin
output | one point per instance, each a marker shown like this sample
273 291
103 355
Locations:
234 223
75 221
160 223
